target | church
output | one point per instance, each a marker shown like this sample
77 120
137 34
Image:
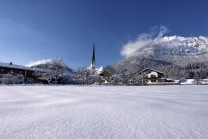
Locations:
100 71
92 67
28 72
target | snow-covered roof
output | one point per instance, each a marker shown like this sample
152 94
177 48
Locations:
100 69
151 70
8 65
189 81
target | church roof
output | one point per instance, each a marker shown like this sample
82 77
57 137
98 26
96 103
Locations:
100 69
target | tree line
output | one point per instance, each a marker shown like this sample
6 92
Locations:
57 72
190 71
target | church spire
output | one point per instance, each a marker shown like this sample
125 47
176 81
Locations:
93 53
92 66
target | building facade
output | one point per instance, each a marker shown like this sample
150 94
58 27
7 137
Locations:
150 76
23 74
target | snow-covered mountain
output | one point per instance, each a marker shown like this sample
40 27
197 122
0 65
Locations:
173 50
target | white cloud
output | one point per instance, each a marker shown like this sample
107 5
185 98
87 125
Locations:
153 37
43 61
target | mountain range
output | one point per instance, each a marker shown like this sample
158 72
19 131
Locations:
173 50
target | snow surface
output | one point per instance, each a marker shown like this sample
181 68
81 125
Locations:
189 82
108 112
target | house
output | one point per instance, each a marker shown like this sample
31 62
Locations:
153 77
103 74
150 76
26 72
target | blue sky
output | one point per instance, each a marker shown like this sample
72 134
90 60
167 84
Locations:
32 30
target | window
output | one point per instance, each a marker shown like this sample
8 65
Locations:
20 78
153 78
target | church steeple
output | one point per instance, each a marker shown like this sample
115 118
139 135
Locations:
93 65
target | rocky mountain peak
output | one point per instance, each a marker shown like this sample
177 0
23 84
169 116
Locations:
175 50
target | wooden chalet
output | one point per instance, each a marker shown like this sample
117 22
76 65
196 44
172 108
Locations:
150 76
27 73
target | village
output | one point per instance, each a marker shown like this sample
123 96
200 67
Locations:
103 69
56 72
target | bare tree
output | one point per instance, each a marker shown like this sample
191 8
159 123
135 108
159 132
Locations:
57 68
130 76
196 77
29 80
54 69
44 75
67 77
11 76
95 79
83 74
117 79
203 74
110 69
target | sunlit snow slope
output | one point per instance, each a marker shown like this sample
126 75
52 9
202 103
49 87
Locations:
76 112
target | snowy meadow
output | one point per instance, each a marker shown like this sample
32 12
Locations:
103 112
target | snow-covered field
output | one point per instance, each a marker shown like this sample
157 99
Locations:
99 112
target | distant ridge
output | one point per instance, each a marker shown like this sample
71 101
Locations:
173 50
